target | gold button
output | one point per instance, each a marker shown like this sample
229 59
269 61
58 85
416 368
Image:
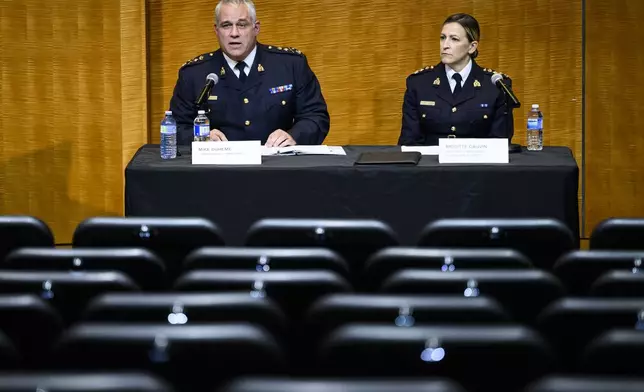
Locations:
283 103
453 109
485 116
247 123
424 115
453 129
245 100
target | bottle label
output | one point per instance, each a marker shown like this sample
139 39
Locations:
535 124
202 130
169 129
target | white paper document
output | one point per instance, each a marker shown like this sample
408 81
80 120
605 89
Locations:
303 150
424 150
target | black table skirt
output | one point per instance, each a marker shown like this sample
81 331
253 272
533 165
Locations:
533 185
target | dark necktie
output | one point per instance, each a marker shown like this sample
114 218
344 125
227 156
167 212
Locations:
458 78
242 75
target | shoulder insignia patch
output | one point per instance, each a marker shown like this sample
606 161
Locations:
284 49
198 59
423 70
491 71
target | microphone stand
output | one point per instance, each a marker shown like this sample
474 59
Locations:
512 147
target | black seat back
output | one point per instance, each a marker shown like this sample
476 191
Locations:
170 238
618 233
18 231
141 265
355 240
543 241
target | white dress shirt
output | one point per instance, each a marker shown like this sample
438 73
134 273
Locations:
465 72
248 60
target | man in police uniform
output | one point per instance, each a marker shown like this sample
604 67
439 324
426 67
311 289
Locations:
455 98
264 93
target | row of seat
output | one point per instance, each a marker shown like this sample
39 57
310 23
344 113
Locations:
577 270
143 382
199 356
568 325
541 240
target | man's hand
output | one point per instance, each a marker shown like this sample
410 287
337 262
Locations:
280 138
217 136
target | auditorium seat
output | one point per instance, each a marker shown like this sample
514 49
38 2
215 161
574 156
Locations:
170 238
618 234
10 357
578 270
265 259
481 358
336 310
186 309
619 351
294 291
18 231
387 261
543 241
255 384
191 357
32 326
523 293
571 323
86 382
355 240
587 383
143 266
619 284
67 292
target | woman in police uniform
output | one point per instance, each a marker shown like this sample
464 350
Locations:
455 98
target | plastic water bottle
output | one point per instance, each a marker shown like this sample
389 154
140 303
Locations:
202 127
168 137
535 129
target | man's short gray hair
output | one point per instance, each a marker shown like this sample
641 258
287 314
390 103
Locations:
252 13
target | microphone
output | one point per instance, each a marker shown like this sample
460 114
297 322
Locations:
211 80
497 79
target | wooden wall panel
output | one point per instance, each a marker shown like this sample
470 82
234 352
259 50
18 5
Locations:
363 53
614 137
67 80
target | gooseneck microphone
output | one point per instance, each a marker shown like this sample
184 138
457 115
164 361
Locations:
497 79
211 80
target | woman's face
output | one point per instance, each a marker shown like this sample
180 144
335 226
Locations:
455 47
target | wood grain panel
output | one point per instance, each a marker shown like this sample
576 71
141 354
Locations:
363 53
614 137
66 77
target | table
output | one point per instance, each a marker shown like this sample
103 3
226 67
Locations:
540 184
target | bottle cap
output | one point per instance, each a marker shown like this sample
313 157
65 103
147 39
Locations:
168 112
535 106
201 112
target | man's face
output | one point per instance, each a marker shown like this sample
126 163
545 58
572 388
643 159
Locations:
236 32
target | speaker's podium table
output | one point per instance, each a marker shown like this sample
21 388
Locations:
539 184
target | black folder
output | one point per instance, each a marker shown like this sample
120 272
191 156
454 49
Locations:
389 158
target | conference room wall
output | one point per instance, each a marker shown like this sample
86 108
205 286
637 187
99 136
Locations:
73 106
614 130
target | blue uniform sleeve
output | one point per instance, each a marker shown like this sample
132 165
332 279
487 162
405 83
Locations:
503 123
410 133
183 109
311 121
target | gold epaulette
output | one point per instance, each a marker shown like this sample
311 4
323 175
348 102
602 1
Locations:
423 70
198 59
491 72
284 49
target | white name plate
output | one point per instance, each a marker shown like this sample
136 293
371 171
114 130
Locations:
227 153
454 150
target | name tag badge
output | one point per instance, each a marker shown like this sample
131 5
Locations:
212 98
455 150
227 153
427 103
